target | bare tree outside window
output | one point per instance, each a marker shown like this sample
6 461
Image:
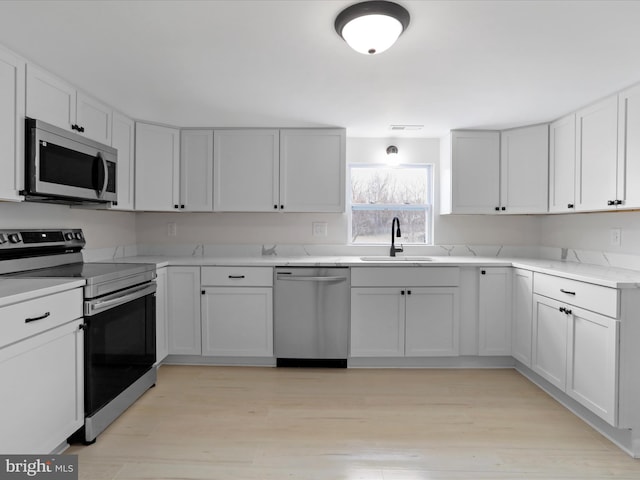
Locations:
379 193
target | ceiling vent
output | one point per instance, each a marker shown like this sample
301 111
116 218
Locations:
406 127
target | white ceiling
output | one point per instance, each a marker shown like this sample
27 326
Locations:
460 64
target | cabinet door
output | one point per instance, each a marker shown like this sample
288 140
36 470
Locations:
524 170
162 326
592 362
597 155
562 164
629 148
11 126
377 322
43 390
550 331
157 168
183 308
312 170
432 327
494 315
522 316
94 117
49 98
246 170
196 170
237 321
475 172
122 139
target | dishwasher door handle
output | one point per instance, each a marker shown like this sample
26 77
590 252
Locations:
289 278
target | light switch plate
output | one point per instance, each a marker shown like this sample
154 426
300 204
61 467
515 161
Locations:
172 230
615 237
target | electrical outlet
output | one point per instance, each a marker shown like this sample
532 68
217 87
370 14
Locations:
615 237
319 229
172 229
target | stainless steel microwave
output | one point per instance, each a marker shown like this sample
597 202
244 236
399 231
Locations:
65 167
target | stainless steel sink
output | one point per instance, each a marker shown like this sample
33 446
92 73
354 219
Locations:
407 258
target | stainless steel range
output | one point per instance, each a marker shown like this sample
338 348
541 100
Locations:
119 313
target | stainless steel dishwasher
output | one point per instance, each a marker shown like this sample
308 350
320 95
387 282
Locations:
311 316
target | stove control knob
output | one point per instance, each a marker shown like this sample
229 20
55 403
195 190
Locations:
68 236
78 235
3 238
14 238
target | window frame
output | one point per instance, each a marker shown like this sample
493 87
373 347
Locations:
427 207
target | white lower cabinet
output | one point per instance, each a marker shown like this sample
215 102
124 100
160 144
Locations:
183 309
162 325
391 319
494 312
522 317
237 321
576 349
42 370
237 311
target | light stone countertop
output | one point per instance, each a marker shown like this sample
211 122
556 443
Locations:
605 276
15 290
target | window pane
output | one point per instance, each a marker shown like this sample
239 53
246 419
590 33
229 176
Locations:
374 225
375 185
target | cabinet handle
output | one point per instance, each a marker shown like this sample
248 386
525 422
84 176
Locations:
202 292
35 319
275 207
570 205
175 206
567 292
401 292
618 202
567 311
181 206
497 209
82 326
408 292
281 207
503 208
483 272
611 202
562 309
236 276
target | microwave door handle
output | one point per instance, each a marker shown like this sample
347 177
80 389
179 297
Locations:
106 175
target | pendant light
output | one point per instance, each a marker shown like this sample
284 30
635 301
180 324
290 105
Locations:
372 27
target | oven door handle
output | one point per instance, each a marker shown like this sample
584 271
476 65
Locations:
93 307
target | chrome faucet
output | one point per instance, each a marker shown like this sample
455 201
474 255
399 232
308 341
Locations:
395 223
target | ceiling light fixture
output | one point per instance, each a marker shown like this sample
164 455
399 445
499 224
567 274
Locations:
372 27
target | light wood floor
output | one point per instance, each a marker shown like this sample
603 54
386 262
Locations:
265 423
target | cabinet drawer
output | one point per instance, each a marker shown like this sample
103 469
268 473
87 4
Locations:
405 277
596 298
237 276
55 309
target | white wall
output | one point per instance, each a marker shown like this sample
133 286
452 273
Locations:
290 228
591 231
102 229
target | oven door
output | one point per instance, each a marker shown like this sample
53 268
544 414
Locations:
120 343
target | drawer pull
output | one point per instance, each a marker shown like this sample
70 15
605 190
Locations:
567 292
35 319
236 276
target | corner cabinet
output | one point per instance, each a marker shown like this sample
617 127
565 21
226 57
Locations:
562 165
470 172
196 170
494 312
157 167
12 100
183 310
294 170
404 312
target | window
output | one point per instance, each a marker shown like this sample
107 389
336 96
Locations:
379 193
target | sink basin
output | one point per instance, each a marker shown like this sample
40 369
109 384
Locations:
408 258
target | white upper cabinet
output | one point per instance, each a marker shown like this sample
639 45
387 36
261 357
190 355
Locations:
123 139
312 170
57 102
11 126
470 172
246 170
196 170
562 164
629 148
596 155
157 168
297 170
524 170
